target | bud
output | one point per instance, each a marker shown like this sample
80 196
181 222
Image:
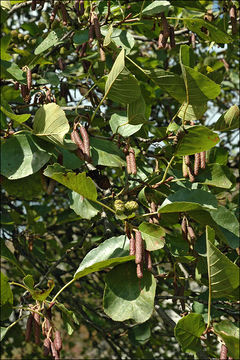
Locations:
190 174
119 206
131 206
50 187
129 171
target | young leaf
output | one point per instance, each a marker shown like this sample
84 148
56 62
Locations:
223 273
126 296
153 235
111 252
230 334
23 155
51 124
79 183
188 331
198 138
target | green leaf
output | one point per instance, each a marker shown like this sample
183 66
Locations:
136 111
3 332
10 70
51 40
153 235
125 88
192 112
111 252
19 118
79 183
229 120
230 334
156 7
6 4
188 200
5 40
51 124
198 138
117 68
215 175
120 125
29 282
8 255
70 320
223 273
228 224
27 188
187 56
188 331
126 296
23 155
123 39
80 36
106 153
214 33
83 207
140 334
6 299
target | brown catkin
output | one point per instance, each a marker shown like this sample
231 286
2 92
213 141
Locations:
57 340
132 245
91 34
160 40
129 170
16 85
96 26
132 160
86 142
61 64
51 187
64 14
29 327
102 54
166 31
80 154
54 12
139 271
190 174
77 140
196 163
29 79
187 160
53 349
148 260
223 352
83 49
46 346
76 6
184 169
172 37
191 233
184 228
81 7
193 40
233 18
203 159
24 91
139 247
36 328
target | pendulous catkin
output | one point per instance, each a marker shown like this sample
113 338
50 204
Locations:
64 14
129 170
33 5
54 12
139 247
184 169
132 161
184 228
57 340
132 245
196 163
29 327
96 26
223 352
203 159
148 260
187 160
191 174
86 143
191 233
172 37
29 79
233 18
50 187
77 140
46 346
139 271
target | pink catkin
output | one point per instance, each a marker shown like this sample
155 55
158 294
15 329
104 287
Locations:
132 245
139 247
196 163
203 159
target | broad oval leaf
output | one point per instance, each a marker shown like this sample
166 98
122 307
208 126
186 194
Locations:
51 40
229 120
215 175
83 207
198 138
126 296
23 155
188 200
51 124
79 183
223 273
6 299
230 334
136 111
111 252
153 235
120 125
192 112
188 331
156 7
18 118
27 188
117 68
106 153
140 334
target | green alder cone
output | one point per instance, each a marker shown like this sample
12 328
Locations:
119 206
131 206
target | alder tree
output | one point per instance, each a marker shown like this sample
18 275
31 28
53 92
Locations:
119 178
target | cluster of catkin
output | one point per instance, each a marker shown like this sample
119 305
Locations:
59 5
166 32
83 150
199 162
131 160
142 256
52 343
188 233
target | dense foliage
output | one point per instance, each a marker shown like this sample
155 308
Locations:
119 165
